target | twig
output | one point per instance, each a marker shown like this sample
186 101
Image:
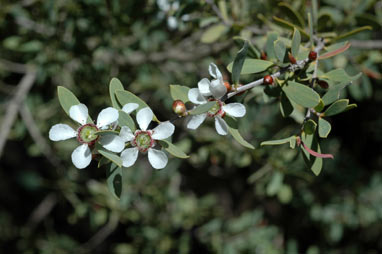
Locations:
22 90
101 235
12 66
37 137
293 67
42 210
370 44
218 12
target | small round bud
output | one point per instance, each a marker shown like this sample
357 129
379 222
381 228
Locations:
323 84
268 80
263 55
291 58
178 107
312 55
227 85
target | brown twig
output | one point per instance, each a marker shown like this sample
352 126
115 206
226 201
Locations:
10 116
42 210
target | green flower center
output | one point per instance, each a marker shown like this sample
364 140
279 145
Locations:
216 109
143 140
87 134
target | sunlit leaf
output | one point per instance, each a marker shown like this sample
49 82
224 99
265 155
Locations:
213 33
126 120
114 86
301 94
324 127
173 149
67 99
296 41
111 156
280 49
253 66
125 97
179 92
336 108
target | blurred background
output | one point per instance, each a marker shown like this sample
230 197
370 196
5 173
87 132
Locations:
224 198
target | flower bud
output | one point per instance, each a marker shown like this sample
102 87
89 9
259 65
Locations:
312 55
227 85
268 80
178 107
263 55
323 84
291 58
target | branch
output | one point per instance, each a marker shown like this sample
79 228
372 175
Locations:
12 66
364 44
10 116
42 210
293 67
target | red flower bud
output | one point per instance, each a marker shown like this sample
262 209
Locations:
312 55
178 107
268 80
323 84
263 56
227 85
291 58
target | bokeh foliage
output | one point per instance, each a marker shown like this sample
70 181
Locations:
224 198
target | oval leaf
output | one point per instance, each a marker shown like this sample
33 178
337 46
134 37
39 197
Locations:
67 99
173 149
252 66
213 33
125 97
237 136
279 48
296 41
336 108
202 108
277 142
114 86
238 63
125 119
114 180
324 127
111 156
301 94
310 127
179 92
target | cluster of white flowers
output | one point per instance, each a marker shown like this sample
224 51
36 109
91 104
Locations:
129 143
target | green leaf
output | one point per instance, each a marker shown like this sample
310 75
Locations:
301 94
340 75
289 25
173 149
292 14
314 163
334 93
351 33
114 86
125 119
324 127
296 41
111 156
350 106
292 142
275 184
238 63
337 107
286 107
202 108
237 136
67 99
114 180
320 106
310 127
285 194
280 49
310 25
179 92
253 51
125 97
106 132
277 142
253 66
213 33
269 48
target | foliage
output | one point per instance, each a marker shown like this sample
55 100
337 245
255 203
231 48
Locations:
225 198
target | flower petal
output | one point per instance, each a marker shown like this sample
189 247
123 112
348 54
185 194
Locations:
129 156
235 109
144 117
130 107
81 156
204 87
163 130
195 96
61 132
214 71
221 126
112 142
79 113
158 159
126 134
107 116
196 121
217 88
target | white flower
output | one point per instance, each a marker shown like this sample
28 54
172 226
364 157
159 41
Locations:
82 156
215 89
143 140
